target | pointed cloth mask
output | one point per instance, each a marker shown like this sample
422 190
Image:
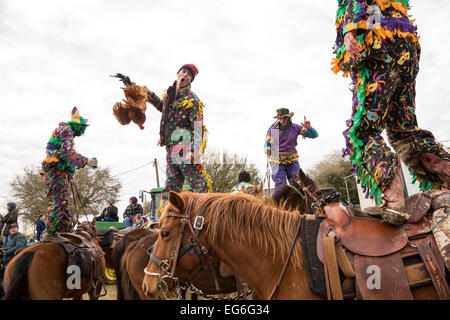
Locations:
77 118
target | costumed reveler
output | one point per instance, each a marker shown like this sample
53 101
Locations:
280 146
182 133
377 45
58 168
244 185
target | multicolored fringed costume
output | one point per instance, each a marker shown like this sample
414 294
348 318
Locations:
59 167
282 142
384 78
182 131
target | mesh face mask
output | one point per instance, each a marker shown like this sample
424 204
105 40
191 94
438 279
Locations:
78 129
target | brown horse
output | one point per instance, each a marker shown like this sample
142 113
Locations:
39 273
253 239
135 258
299 195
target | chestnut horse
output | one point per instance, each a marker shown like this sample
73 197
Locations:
135 258
39 273
250 237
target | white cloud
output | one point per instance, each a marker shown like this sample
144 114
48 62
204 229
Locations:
254 57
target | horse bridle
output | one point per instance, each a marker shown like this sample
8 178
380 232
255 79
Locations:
193 245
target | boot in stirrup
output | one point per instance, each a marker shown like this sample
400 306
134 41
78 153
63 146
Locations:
393 210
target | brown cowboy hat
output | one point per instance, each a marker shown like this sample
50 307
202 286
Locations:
283 112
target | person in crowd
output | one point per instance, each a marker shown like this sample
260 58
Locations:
133 209
7 220
110 213
40 226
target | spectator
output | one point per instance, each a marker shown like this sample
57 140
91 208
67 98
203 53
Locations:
244 184
7 220
110 213
133 209
16 242
40 227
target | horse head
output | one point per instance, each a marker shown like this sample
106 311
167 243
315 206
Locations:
168 262
258 192
299 195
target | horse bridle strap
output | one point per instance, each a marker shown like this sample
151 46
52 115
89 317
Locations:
283 271
176 253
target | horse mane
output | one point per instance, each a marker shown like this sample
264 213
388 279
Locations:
248 220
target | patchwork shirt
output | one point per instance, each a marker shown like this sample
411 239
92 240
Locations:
182 122
378 23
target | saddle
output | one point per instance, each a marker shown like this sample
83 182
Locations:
369 259
82 252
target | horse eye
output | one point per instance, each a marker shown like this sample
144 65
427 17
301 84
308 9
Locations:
165 234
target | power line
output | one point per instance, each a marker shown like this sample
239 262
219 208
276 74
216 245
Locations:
131 170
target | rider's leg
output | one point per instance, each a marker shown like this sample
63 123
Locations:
279 173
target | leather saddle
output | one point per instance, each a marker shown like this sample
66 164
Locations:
82 252
362 246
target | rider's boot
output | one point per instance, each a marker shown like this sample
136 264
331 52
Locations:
435 164
393 210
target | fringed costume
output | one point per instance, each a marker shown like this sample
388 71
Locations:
59 167
384 77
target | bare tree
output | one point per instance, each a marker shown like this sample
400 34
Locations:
90 190
223 169
331 172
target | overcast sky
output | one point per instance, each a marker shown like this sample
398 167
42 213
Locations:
253 57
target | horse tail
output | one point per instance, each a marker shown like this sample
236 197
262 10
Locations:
128 291
18 285
119 249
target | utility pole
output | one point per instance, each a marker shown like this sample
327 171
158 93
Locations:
155 163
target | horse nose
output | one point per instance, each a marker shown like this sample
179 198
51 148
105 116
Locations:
144 288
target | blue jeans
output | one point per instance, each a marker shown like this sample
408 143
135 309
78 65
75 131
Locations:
5 241
127 222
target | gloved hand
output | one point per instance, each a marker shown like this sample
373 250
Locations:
92 163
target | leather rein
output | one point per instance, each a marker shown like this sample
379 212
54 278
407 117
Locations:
169 265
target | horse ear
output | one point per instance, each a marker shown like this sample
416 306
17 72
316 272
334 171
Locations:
261 187
93 222
177 201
